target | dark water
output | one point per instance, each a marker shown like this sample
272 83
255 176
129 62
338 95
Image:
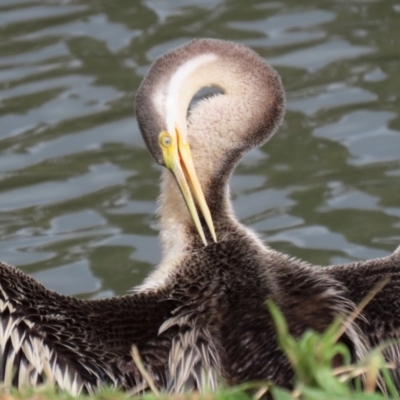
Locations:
78 188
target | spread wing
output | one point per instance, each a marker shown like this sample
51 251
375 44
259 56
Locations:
77 344
382 314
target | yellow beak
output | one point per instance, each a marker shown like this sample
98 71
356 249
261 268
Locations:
178 159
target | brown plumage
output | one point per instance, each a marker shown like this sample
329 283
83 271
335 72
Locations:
201 315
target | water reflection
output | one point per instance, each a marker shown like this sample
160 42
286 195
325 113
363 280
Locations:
367 136
78 189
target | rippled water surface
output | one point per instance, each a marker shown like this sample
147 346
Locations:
78 188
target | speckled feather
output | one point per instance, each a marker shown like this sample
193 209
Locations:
210 319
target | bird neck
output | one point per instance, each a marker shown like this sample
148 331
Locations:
219 130
178 234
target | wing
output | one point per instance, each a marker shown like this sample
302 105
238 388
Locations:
382 313
77 344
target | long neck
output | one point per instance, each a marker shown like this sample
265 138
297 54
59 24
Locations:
219 130
177 232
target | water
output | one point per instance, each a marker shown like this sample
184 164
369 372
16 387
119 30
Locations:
78 189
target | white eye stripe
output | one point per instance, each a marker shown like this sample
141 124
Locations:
176 82
168 95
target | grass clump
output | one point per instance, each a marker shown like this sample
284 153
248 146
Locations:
312 357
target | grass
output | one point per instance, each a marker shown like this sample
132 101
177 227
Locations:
311 357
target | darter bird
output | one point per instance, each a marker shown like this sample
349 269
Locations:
201 315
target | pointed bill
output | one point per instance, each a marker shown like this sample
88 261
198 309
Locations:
178 160
172 162
187 162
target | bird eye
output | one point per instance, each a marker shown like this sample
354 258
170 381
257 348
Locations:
165 139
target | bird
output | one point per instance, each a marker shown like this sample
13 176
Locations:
200 317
